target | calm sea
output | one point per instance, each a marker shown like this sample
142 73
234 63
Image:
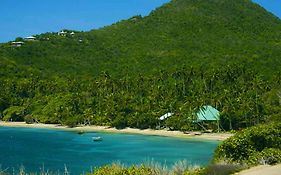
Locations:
54 149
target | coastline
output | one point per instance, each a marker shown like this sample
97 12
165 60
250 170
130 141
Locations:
178 134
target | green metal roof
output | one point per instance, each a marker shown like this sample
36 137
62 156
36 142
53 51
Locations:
208 113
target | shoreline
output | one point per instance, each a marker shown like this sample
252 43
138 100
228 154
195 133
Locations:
177 134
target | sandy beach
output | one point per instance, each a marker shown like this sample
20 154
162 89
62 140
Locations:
179 134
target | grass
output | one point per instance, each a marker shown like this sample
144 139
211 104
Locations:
22 171
147 168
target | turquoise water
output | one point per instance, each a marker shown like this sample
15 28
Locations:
53 149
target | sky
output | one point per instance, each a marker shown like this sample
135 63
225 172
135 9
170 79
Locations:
273 6
22 18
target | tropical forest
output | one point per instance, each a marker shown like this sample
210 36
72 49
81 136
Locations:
184 55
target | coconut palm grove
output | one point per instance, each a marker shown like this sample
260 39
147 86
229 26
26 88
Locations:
184 55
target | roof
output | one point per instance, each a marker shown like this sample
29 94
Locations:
208 113
165 116
17 42
30 37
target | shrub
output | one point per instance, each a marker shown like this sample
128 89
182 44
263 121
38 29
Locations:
268 156
140 170
196 171
223 168
110 170
29 119
71 122
14 113
150 168
248 142
117 169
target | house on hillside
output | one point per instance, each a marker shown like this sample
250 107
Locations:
30 38
72 33
62 33
17 43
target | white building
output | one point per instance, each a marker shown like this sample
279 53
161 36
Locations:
30 38
62 33
17 43
165 116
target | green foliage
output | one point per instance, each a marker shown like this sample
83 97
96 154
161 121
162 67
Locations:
116 169
138 101
182 56
251 143
223 168
268 156
180 168
14 113
205 33
29 119
19 39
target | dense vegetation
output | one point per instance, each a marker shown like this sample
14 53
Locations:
243 98
253 146
152 168
182 56
180 168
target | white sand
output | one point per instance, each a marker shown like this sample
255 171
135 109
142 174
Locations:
204 136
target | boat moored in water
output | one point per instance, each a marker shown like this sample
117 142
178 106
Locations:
98 138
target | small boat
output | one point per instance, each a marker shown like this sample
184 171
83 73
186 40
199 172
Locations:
97 138
80 132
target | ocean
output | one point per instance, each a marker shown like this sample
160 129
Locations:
53 150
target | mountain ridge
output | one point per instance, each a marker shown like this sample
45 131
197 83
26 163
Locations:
202 27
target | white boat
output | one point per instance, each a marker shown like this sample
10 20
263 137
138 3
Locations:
97 138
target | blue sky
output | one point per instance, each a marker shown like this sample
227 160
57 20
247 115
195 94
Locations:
273 6
26 17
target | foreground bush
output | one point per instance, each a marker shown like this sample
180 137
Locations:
268 156
117 169
252 143
151 168
179 168
223 168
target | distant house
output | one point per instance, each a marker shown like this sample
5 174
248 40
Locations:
165 116
208 114
62 33
30 38
72 33
17 43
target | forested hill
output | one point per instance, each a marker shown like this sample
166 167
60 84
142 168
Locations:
185 54
182 32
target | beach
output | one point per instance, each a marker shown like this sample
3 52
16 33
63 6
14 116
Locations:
179 134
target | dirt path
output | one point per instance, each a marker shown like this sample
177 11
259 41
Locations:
262 170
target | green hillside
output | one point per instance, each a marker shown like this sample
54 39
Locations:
181 32
185 54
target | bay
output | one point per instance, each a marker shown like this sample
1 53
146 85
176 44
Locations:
36 149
